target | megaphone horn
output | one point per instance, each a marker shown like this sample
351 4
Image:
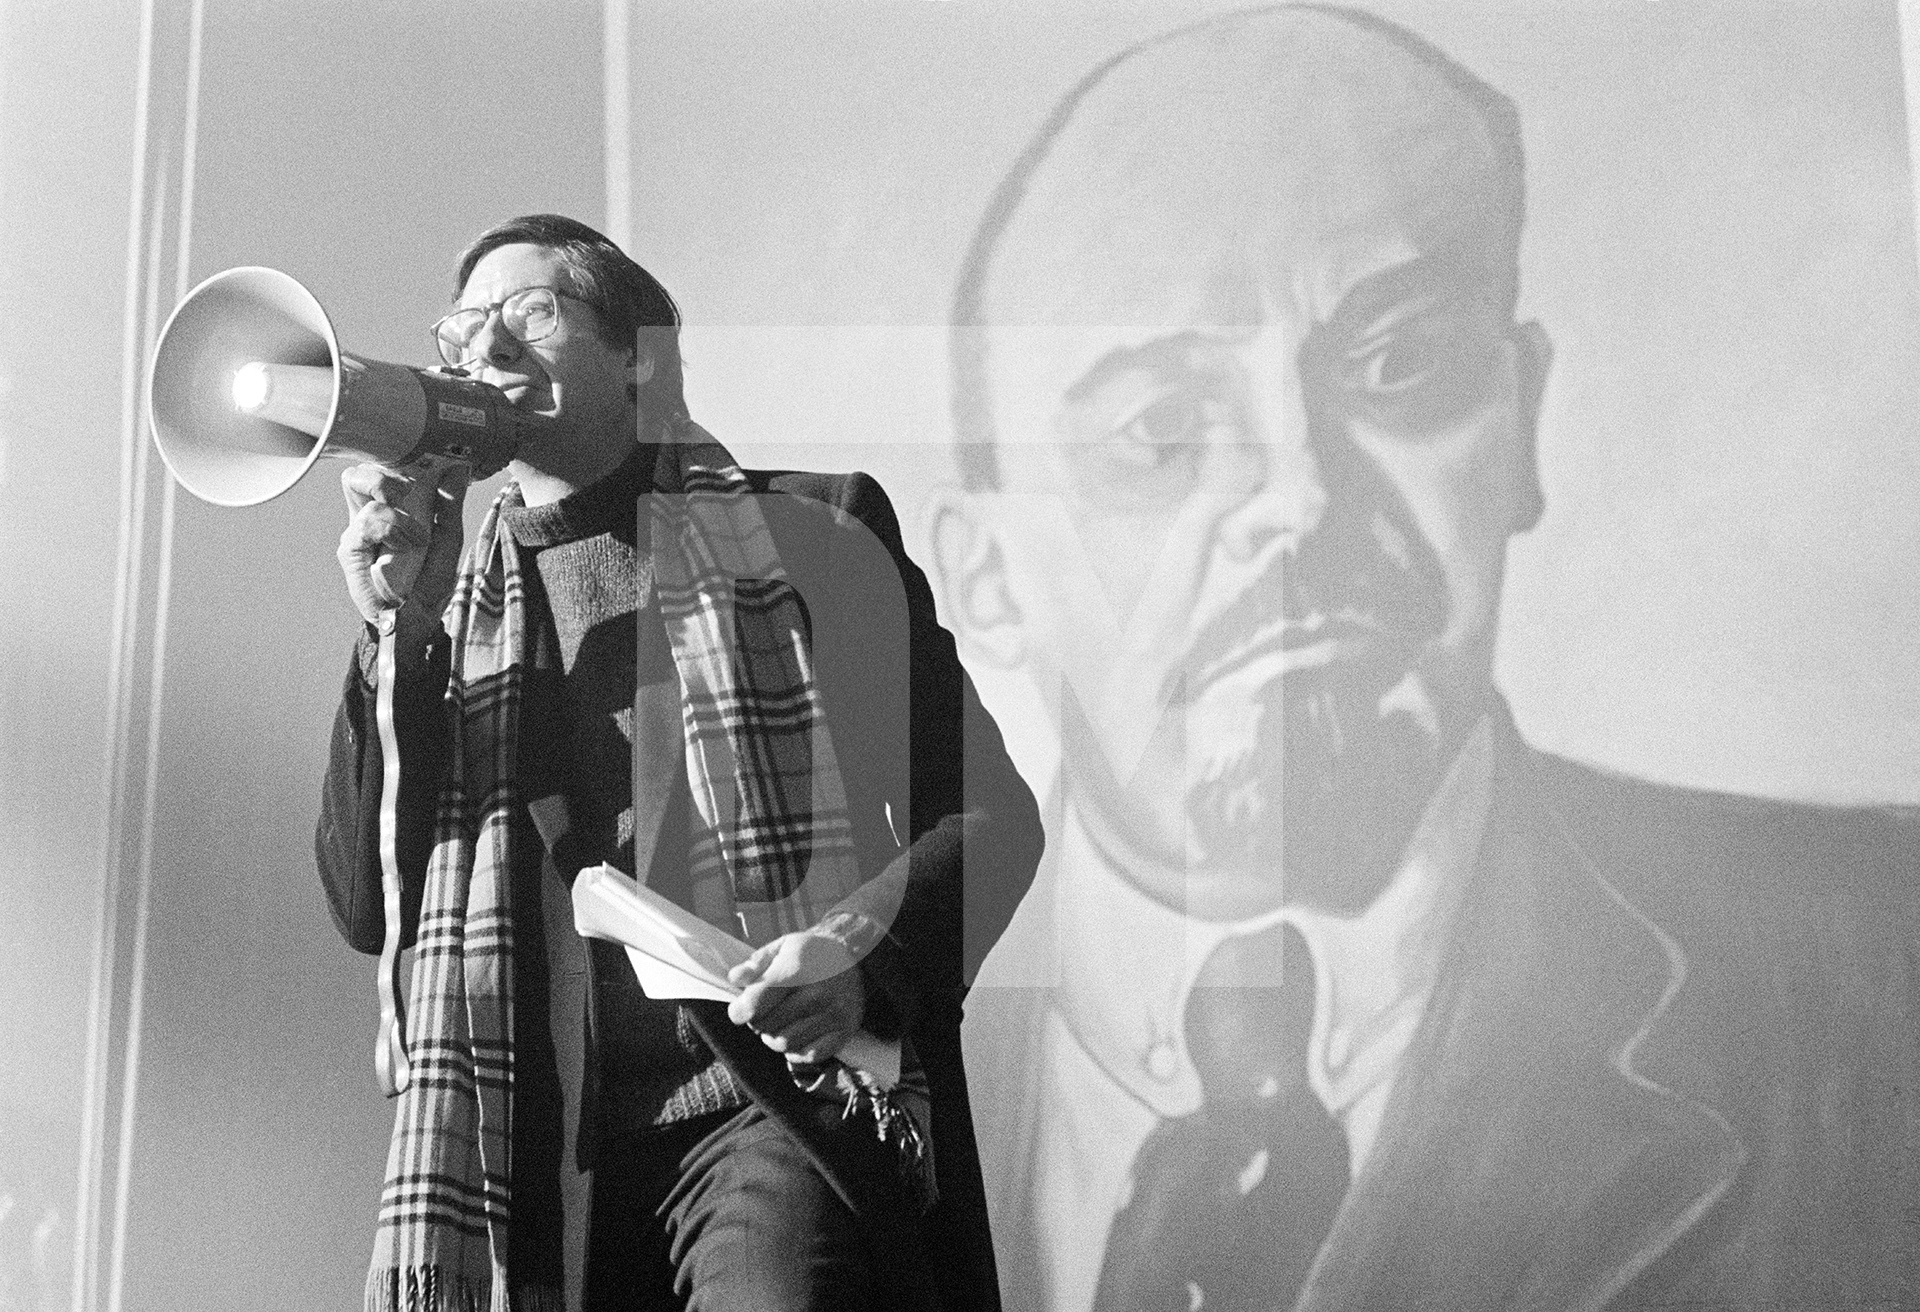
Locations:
249 387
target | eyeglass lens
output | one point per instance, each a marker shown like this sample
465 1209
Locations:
527 315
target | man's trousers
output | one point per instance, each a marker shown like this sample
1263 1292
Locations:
726 1213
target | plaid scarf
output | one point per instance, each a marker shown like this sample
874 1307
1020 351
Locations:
772 836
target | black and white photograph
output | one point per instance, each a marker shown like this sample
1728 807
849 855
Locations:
1048 655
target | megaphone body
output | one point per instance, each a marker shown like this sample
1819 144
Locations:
249 387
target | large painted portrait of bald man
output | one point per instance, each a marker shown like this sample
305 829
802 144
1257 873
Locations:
1337 993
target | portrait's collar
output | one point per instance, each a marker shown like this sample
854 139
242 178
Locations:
1127 962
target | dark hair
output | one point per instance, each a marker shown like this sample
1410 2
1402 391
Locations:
973 430
634 309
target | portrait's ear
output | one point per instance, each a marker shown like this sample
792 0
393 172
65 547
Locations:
970 575
1533 358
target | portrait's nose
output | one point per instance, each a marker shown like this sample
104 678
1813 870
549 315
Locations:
1288 494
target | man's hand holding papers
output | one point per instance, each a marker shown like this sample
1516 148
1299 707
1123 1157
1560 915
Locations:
677 955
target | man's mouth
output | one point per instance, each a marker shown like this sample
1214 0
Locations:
516 390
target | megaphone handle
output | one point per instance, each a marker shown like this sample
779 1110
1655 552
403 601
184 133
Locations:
420 500
390 1050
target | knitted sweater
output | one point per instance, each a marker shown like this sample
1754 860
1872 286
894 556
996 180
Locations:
598 599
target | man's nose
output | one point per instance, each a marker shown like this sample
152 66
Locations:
1288 495
493 344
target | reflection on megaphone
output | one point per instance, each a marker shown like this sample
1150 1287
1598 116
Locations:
248 387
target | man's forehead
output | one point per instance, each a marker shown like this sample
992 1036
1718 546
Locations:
506 269
1274 157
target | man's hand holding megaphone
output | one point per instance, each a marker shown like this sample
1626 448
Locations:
400 550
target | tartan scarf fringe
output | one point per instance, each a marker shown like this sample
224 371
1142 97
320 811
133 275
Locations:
433 1289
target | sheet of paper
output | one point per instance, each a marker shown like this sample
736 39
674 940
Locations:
606 904
660 981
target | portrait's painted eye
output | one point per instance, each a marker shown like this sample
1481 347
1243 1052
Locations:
1402 365
1160 430
1138 442
1419 372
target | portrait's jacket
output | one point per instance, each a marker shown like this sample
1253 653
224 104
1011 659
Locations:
1672 1059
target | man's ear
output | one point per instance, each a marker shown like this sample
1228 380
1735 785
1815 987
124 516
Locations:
1533 358
642 366
971 579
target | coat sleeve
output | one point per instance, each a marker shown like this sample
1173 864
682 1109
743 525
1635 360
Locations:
972 833
347 839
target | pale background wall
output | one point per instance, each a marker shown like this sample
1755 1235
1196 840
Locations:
357 145
1720 244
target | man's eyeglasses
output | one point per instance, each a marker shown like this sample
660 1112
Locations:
528 315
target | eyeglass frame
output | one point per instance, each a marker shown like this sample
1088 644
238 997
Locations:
490 310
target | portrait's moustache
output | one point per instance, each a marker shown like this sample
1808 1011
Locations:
1362 585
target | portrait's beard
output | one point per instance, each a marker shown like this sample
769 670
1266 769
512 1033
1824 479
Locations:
1336 778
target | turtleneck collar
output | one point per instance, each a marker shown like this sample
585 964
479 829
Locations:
605 506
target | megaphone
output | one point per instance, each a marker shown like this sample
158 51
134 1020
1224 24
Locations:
249 387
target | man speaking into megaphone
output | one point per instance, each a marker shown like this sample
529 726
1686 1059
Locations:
728 685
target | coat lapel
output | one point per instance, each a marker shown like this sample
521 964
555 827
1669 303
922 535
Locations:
1526 1161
